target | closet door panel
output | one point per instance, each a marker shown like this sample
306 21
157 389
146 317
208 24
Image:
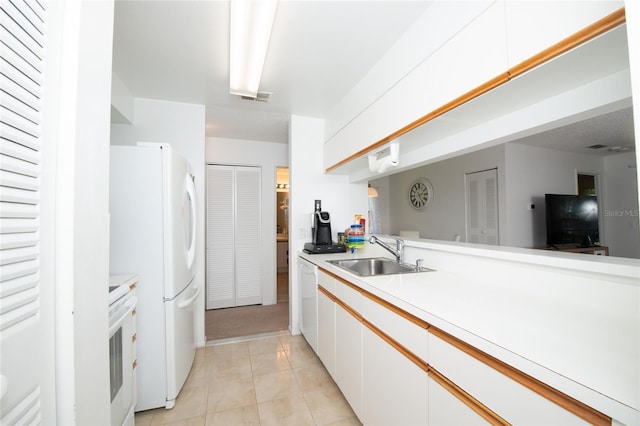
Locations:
248 237
234 262
220 237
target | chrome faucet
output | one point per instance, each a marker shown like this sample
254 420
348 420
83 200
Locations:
398 252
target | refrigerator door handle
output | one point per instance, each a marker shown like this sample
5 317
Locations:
190 188
190 300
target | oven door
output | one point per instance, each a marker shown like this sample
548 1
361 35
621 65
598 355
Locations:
121 359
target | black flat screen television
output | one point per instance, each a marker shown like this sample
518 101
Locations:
571 220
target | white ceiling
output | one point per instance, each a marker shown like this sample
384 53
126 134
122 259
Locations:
178 51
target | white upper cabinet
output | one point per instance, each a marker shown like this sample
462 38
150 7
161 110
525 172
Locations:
480 51
475 53
533 26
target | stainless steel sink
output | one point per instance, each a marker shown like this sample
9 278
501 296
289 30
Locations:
376 266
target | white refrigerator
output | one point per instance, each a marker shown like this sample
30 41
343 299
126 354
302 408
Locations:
153 234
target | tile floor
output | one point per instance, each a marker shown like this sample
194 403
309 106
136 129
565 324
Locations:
276 380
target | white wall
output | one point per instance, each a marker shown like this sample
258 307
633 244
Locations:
531 173
379 207
525 174
81 70
268 156
308 183
444 217
122 102
632 12
183 126
620 206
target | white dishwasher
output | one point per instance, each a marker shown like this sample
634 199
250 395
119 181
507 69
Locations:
308 280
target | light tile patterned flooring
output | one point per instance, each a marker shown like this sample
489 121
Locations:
275 380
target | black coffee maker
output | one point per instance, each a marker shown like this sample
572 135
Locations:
321 233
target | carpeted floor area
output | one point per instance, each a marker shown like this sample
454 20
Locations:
250 320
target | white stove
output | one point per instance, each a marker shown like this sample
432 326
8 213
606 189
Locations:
122 355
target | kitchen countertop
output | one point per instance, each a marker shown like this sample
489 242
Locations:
581 345
119 285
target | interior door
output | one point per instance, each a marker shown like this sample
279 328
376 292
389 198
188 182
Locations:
248 256
220 236
234 260
481 202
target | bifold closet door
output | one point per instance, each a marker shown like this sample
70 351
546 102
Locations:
233 236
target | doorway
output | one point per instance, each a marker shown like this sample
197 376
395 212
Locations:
282 234
481 201
587 184
233 323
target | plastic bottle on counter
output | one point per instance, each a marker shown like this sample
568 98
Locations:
356 237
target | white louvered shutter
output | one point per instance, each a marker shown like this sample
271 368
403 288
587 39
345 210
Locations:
248 230
220 236
22 45
234 272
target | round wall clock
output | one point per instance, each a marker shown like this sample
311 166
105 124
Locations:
420 193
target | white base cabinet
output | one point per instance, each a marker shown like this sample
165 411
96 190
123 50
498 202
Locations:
395 369
349 358
507 398
327 333
446 409
395 390
327 324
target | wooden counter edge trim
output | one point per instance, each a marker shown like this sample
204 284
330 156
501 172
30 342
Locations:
468 400
589 32
404 314
475 405
397 346
570 404
460 100
576 39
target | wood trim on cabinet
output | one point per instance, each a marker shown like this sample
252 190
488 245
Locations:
451 387
357 315
404 314
576 39
342 280
589 32
326 293
397 346
468 400
570 404
393 308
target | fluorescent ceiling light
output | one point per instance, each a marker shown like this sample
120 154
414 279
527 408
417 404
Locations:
251 22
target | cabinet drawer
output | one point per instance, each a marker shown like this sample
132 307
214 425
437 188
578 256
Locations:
446 409
406 332
509 399
349 295
327 281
